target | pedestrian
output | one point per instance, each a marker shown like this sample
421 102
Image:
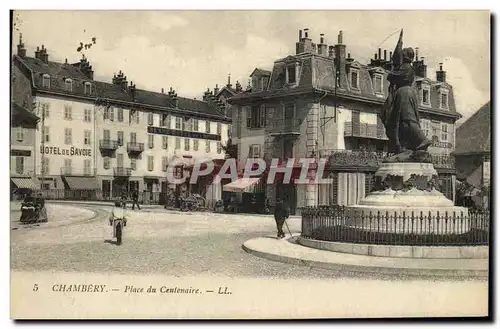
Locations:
124 198
135 200
280 215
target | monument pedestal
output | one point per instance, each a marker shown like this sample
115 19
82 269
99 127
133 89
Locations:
405 200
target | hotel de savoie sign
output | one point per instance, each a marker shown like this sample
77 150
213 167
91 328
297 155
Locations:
72 151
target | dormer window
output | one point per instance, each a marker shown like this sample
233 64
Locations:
46 81
443 99
87 88
68 85
378 84
425 93
291 74
354 79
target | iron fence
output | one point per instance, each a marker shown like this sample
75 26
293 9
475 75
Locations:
339 224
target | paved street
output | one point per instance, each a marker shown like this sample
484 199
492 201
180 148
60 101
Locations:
155 241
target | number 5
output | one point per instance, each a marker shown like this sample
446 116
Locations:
35 287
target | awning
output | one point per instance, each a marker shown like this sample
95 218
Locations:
82 183
245 185
24 182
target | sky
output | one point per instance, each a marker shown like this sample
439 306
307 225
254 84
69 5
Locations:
191 51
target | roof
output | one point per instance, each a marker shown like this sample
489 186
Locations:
474 135
60 71
260 72
319 72
20 114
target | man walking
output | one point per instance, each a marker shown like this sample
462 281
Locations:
135 200
280 215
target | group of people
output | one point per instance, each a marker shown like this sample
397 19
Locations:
38 202
135 199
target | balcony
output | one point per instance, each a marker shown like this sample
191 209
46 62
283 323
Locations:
444 145
285 127
108 144
135 147
71 171
364 130
122 172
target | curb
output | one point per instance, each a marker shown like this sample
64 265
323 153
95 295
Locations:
339 266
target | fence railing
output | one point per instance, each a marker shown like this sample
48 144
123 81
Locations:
338 224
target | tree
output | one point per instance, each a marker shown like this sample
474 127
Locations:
230 149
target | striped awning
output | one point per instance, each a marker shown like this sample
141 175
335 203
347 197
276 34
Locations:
24 182
82 183
245 185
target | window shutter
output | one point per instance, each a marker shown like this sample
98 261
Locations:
262 117
248 111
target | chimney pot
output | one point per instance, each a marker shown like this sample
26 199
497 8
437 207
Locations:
416 53
37 48
440 66
385 54
322 39
300 35
375 56
306 33
340 37
380 53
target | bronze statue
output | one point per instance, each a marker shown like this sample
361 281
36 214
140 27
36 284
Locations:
400 111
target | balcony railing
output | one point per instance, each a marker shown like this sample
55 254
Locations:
135 147
72 171
445 145
285 127
108 144
361 158
365 131
122 171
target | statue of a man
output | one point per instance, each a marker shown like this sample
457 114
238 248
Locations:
400 113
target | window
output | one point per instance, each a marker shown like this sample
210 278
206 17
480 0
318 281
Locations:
177 143
425 126
87 115
186 144
20 134
164 163
354 79
150 163
256 117
178 123
46 81
111 114
20 165
207 126
291 74
46 134
87 88
68 140
150 119
425 95
106 113
106 135
443 100
254 151
378 84
86 137
67 112
444 132
219 128
165 120
196 125
120 115
87 167
165 142
133 138
119 136
67 166
151 141
219 147
207 146
133 164
186 125
68 85
196 145
106 162
134 116
45 165
45 110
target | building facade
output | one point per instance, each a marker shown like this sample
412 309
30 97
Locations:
320 102
111 137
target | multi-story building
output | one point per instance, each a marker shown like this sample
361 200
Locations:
22 151
321 102
112 136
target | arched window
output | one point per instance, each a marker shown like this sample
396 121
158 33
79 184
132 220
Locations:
46 81
68 85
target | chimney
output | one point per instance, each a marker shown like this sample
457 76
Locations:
416 54
239 88
300 35
322 47
340 62
441 75
308 47
331 51
21 51
44 57
171 92
37 53
349 59
216 89
420 68
380 53
229 85
176 100
299 46
375 56
132 90
162 90
385 54
124 83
